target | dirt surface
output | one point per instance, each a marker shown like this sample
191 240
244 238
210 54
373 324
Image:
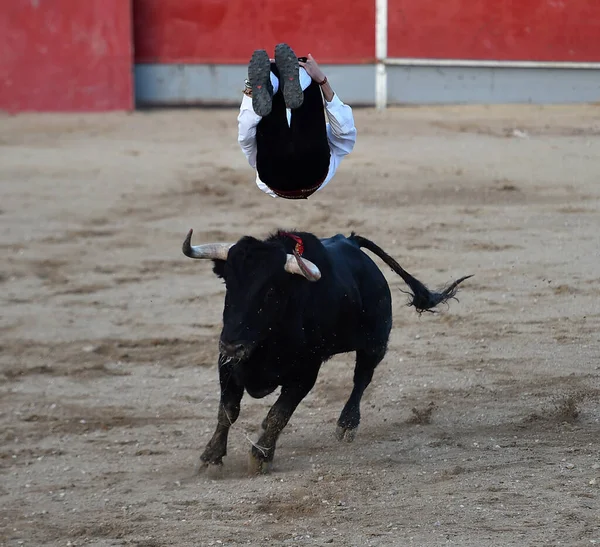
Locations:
481 426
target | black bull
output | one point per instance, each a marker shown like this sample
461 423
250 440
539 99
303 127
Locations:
293 301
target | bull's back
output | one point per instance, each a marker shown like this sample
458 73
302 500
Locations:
355 271
351 263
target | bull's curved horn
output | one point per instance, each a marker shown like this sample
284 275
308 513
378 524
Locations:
300 266
214 251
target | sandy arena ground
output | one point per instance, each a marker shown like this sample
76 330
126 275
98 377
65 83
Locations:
482 425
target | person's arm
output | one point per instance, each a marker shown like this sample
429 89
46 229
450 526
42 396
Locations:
341 131
315 72
327 90
247 122
340 118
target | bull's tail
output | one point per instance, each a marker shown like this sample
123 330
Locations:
421 297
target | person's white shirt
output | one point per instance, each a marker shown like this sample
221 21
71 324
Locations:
341 135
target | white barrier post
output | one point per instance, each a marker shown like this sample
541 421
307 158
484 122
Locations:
381 42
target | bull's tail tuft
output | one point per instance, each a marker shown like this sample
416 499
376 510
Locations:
421 297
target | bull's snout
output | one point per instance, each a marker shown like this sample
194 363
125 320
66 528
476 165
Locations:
235 350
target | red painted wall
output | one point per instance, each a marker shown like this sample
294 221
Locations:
343 31
528 30
227 31
65 55
76 55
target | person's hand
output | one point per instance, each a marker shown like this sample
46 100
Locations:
312 69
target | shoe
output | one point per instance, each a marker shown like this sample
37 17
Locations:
259 76
289 77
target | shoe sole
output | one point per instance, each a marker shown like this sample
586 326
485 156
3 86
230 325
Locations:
259 76
289 76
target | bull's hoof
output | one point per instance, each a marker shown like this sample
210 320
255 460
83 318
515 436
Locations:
257 466
211 470
345 434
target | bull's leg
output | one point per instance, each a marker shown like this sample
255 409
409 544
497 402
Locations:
363 373
229 410
261 455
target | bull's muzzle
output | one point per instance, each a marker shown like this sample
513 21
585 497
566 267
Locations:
236 350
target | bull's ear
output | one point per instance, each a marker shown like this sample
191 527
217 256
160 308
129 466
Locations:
219 268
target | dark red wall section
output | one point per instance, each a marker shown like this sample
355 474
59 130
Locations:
524 30
77 55
227 31
65 55
343 31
